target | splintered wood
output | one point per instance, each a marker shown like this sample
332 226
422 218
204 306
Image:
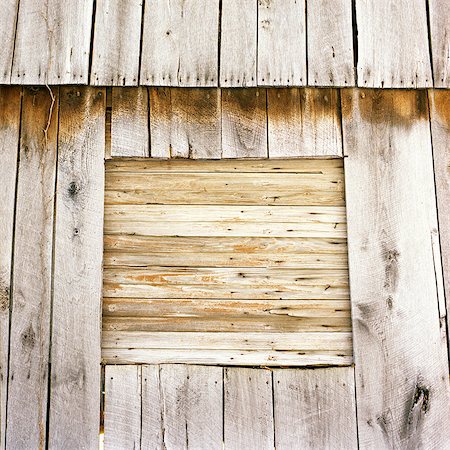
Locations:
226 262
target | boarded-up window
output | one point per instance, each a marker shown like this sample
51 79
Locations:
227 262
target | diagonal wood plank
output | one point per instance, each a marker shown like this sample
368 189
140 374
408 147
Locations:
116 45
75 353
393 44
315 408
8 22
180 43
10 107
32 278
392 224
52 42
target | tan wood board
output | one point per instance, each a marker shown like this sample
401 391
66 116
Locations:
8 22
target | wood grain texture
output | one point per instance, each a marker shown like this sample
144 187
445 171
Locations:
75 372
185 123
303 123
440 41
281 43
32 277
393 44
8 21
116 45
315 408
238 43
440 130
122 407
244 123
180 43
330 43
52 42
10 109
130 122
248 409
397 336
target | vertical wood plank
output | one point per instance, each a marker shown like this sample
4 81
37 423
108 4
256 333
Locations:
52 42
10 105
75 355
130 122
440 130
393 44
315 408
32 278
303 122
398 341
152 408
8 21
330 43
180 43
244 123
116 47
238 41
248 409
440 41
122 407
281 43
185 123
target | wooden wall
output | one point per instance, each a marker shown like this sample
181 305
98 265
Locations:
396 156
228 43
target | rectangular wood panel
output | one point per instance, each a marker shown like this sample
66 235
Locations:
8 22
213 248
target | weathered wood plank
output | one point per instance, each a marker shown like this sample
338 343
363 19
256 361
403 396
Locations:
393 44
238 42
32 278
8 21
116 46
122 407
303 122
281 43
180 43
192 411
75 372
244 123
315 408
185 123
440 130
330 43
248 409
130 122
52 42
440 41
10 107
397 337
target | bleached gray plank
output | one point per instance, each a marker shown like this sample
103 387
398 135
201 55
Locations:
238 41
32 276
330 43
185 123
180 43
122 407
130 122
191 407
248 409
392 224
393 44
281 43
440 130
303 123
315 408
244 123
75 353
117 38
8 20
152 434
440 41
52 42
10 103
